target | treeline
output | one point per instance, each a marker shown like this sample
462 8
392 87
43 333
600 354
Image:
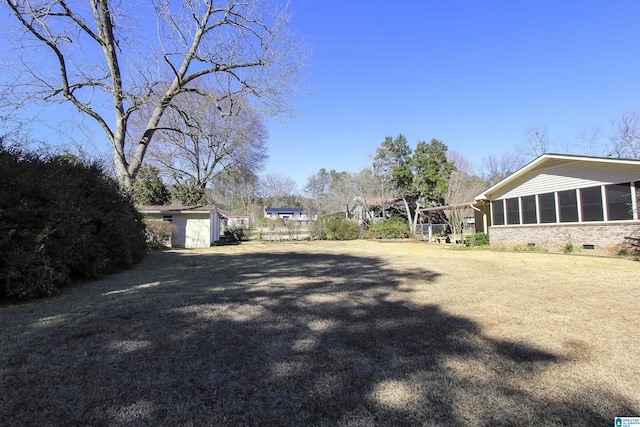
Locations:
61 219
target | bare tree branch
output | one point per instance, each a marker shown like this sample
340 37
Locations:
111 67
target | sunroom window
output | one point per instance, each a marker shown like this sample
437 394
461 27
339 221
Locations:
591 204
568 203
547 203
497 209
529 210
619 202
513 211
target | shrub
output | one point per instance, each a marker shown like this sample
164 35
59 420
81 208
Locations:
61 219
479 239
341 229
159 233
237 234
317 230
393 228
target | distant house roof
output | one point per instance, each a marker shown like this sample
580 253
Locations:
379 201
548 160
288 210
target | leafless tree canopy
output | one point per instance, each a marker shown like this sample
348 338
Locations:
625 141
536 143
277 190
345 187
498 168
109 58
195 144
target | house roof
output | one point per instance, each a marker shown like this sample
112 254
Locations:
379 201
173 209
548 160
288 210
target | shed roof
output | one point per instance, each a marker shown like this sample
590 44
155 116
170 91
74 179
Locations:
173 209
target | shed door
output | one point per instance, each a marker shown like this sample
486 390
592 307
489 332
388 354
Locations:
197 233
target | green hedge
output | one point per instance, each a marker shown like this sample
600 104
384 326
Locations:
393 228
341 229
334 229
61 219
478 239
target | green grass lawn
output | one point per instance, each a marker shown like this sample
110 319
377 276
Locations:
330 333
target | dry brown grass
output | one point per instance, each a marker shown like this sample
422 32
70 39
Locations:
331 333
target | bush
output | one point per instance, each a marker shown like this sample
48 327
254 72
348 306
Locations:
317 230
61 219
341 229
159 233
237 234
393 228
478 239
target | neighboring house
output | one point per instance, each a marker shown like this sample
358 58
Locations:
237 221
559 200
300 216
196 226
373 209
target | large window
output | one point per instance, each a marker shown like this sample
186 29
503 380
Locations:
497 209
529 210
591 204
612 202
547 204
568 203
619 202
637 185
513 211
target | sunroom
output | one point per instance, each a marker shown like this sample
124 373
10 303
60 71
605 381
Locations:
558 200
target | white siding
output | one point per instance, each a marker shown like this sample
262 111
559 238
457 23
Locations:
179 237
569 175
198 233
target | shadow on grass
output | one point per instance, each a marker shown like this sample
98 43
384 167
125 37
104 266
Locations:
270 339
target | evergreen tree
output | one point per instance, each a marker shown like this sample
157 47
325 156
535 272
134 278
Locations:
432 171
149 188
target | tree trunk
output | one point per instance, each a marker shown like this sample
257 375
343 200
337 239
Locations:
406 205
415 217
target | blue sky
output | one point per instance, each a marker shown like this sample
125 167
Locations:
473 74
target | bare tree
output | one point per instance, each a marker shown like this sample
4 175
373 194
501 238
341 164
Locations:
498 168
196 144
464 185
317 187
342 192
235 190
460 195
461 163
109 59
590 140
536 142
277 190
625 142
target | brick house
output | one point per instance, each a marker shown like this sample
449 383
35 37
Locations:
559 199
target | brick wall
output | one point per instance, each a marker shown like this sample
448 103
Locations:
556 236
